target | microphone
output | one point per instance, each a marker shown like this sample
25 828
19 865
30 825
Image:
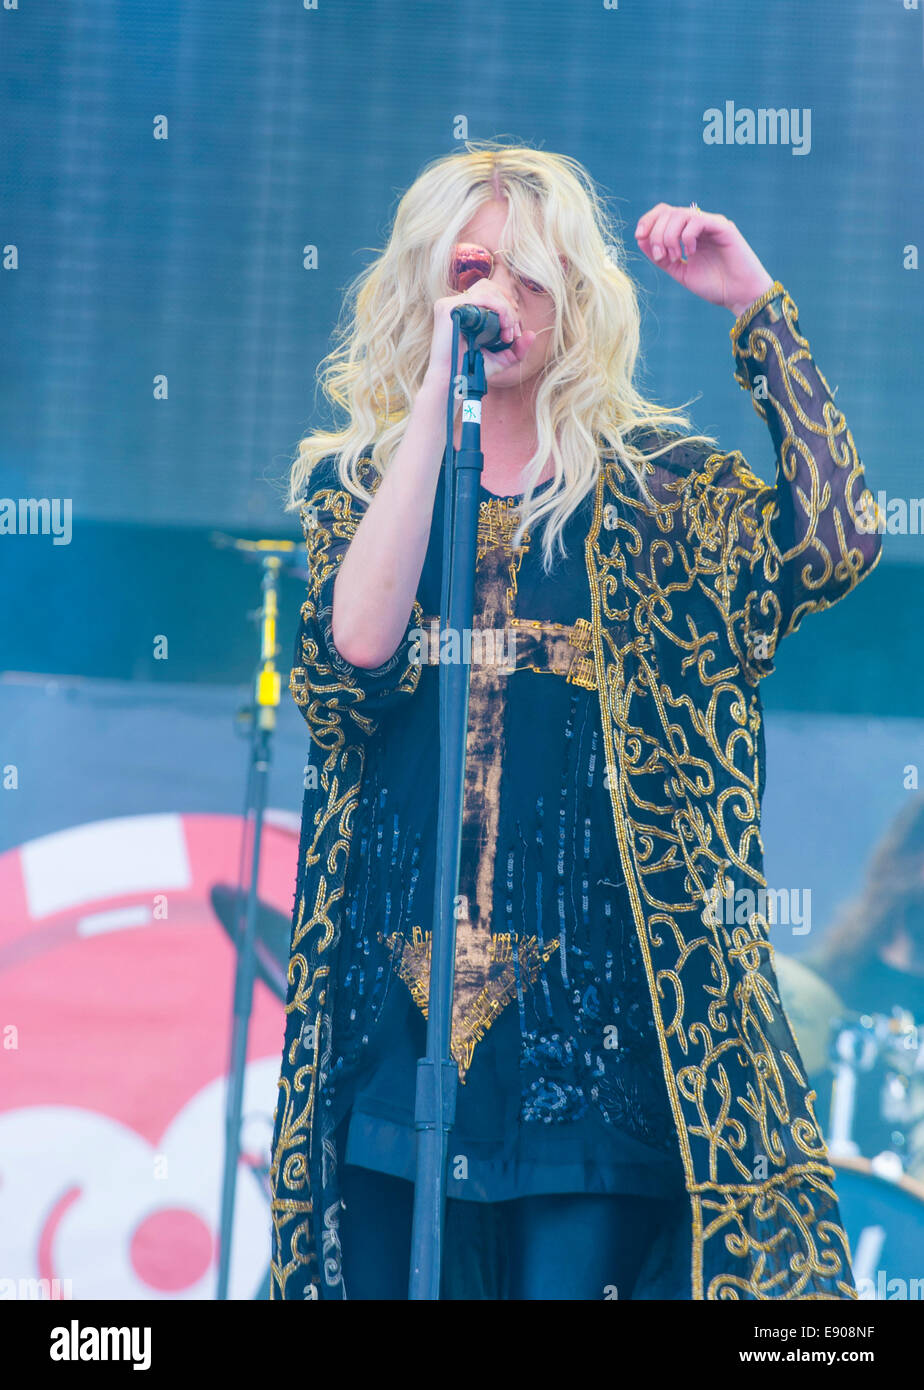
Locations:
482 322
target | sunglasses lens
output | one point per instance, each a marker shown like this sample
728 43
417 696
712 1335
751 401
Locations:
468 265
526 281
531 285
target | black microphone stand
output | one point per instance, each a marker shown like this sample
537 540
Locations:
437 1073
261 716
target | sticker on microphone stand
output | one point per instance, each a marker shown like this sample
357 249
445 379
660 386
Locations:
471 411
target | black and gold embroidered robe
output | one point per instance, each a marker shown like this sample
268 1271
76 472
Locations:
688 600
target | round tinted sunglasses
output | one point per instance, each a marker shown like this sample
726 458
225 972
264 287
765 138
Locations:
469 263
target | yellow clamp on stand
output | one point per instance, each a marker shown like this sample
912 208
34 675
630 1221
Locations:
269 680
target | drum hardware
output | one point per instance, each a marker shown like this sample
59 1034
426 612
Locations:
853 1050
861 1044
260 719
883 1215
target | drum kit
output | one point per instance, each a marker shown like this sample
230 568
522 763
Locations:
871 1066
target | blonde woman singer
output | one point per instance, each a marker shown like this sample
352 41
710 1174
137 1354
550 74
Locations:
634 1120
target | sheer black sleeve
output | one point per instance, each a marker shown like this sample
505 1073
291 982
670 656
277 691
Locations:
771 554
325 686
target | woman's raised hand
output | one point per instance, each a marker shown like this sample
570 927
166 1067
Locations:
718 266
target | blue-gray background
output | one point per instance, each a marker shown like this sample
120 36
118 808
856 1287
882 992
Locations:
290 126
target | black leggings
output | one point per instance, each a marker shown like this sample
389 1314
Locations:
563 1246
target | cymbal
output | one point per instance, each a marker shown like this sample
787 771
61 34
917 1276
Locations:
811 1006
271 944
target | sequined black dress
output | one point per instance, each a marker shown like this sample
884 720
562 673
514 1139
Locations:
563 1089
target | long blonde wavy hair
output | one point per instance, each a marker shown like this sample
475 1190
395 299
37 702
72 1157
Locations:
586 400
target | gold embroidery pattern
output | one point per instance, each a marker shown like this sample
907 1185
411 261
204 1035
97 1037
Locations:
685 604
497 521
504 956
529 644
